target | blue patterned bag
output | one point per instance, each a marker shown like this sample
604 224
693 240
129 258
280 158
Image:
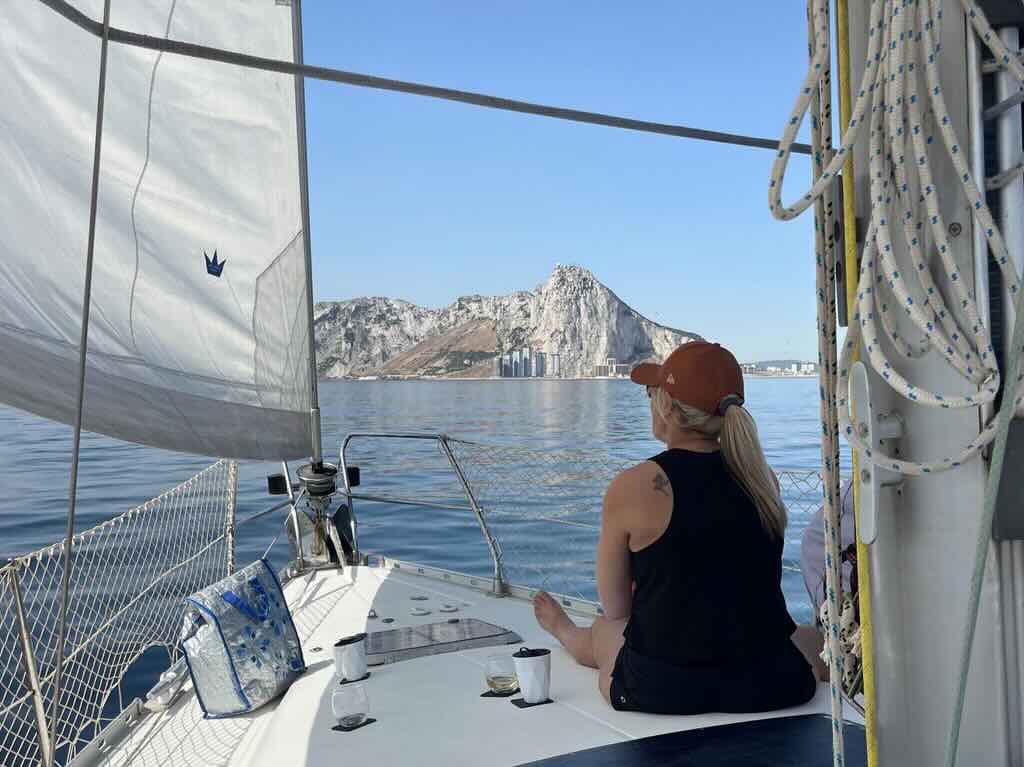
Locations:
240 642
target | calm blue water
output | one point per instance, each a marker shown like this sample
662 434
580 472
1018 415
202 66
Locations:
606 418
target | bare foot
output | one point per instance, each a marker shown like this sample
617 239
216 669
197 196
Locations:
551 616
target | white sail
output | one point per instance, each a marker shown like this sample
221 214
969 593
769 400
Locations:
199 163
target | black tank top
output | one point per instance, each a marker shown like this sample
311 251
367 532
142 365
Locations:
709 590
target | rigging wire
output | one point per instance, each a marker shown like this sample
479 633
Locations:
170 45
83 351
984 538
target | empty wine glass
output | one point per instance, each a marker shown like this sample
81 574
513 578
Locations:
350 704
500 673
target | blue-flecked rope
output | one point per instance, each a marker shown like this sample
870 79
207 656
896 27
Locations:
820 106
902 41
901 99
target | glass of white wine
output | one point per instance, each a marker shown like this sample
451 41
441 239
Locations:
351 705
500 673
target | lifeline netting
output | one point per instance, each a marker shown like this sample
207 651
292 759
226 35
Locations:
129 577
543 507
525 492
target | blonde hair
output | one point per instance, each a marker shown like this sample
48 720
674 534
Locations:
741 449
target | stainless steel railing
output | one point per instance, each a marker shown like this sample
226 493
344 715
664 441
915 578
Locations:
499 584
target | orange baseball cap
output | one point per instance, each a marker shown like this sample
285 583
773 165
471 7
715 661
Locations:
700 374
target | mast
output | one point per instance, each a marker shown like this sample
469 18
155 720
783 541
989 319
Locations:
300 131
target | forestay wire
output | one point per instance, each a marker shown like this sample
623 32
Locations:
83 353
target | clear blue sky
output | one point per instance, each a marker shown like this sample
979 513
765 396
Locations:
427 200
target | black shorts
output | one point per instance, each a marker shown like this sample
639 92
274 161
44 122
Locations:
776 680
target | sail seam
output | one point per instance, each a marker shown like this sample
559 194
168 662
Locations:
142 176
126 359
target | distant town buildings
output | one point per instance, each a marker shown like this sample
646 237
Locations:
528 363
612 368
787 368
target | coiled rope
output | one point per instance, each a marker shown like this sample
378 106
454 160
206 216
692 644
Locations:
816 96
903 47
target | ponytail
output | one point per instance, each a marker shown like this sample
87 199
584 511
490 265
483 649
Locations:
741 450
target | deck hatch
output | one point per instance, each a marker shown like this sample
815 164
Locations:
393 645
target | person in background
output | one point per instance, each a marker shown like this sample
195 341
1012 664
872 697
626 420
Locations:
699 529
810 639
812 548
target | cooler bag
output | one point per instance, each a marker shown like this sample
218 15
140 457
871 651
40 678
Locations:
240 642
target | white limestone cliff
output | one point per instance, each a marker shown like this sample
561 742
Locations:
572 314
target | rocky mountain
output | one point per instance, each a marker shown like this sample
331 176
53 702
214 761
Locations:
572 314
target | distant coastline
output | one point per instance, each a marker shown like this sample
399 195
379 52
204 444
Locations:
466 379
783 376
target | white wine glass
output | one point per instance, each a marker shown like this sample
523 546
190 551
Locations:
350 704
500 674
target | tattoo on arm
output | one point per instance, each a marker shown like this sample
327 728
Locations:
662 485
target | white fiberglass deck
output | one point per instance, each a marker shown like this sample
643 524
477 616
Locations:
428 709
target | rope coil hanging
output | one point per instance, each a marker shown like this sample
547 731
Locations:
902 41
818 101
903 48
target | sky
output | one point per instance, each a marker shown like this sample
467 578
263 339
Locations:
426 200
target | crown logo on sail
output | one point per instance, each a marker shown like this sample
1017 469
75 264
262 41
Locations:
213 266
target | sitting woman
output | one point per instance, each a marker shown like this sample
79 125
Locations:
689 562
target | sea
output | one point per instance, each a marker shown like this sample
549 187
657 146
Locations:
537 436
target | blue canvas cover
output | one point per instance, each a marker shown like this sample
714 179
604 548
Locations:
240 642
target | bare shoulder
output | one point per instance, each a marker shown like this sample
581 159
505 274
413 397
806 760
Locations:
645 481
